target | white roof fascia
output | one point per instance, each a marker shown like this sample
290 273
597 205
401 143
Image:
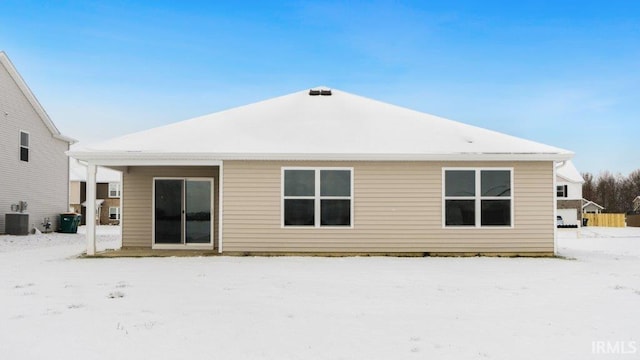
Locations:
155 162
65 138
122 158
22 85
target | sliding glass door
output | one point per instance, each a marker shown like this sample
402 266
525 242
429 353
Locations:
197 212
168 211
183 211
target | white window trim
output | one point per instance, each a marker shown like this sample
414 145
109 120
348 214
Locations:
28 147
317 198
203 246
477 198
564 193
118 191
117 212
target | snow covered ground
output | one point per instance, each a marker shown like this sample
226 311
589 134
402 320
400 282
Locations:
55 306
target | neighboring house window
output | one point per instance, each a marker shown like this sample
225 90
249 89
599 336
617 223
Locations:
561 191
114 190
478 197
317 197
24 146
114 213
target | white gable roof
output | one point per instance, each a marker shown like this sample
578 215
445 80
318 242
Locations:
22 85
341 126
569 172
586 203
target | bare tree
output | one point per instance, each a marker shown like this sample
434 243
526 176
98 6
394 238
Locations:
588 187
614 192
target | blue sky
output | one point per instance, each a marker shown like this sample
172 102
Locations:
565 73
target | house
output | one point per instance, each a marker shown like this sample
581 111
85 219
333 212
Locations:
590 207
569 193
33 164
325 171
108 184
636 204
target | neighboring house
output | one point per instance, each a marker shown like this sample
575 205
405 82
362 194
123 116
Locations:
322 171
569 193
33 165
108 184
636 204
589 207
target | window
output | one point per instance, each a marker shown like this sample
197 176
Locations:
114 190
24 146
114 213
317 197
478 197
561 191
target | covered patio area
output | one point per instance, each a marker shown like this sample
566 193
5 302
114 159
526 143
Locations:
169 208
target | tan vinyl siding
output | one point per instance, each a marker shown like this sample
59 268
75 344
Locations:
137 200
397 208
74 193
43 181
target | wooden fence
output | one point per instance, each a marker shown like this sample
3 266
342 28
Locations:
606 220
633 220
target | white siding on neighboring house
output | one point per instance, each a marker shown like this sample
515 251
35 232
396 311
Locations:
43 181
569 193
568 182
569 216
572 190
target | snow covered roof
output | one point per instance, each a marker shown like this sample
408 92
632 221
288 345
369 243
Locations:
299 126
586 203
569 172
78 172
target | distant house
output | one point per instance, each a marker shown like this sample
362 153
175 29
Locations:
636 204
108 191
590 207
569 193
325 171
33 165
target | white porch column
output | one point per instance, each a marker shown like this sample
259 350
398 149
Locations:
91 209
556 165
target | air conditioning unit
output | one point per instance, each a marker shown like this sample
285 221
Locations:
17 222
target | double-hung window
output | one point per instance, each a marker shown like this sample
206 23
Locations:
24 146
114 190
478 197
561 191
317 197
114 213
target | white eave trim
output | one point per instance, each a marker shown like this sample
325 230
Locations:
31 98
121 158
65 138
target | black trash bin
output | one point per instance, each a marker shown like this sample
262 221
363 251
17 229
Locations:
585 221
69 222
